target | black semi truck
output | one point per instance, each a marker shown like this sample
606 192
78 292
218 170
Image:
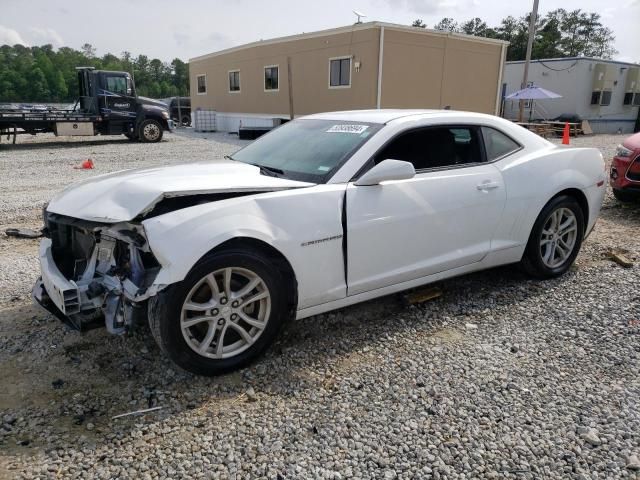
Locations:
107 105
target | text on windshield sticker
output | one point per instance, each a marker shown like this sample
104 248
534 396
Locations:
357 129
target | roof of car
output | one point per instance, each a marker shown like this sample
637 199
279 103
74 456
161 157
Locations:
383 115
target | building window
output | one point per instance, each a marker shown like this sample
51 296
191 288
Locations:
606 97
202 84
271 74
234 81
595 98
628 98
340 72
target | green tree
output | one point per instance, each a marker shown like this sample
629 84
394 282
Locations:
475 26
548 37
88 50
156 69
419 23
38 87
601 44
560 33
447 24
59 86
515 31
180 76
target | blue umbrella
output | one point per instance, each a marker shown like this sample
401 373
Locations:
532 93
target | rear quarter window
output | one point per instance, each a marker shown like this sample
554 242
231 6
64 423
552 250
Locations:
497 144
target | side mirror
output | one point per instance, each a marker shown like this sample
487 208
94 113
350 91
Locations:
387 170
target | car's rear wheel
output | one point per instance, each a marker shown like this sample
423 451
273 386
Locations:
223 315
186 120
624 196
555 239
150 131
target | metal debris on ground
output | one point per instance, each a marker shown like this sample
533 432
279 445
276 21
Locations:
422 295
619 256
144 410
23 233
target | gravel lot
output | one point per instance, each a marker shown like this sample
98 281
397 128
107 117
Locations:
501 377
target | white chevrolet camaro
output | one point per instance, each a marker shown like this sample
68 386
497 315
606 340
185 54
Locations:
323 212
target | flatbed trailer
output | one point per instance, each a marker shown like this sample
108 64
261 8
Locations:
13 123
107 105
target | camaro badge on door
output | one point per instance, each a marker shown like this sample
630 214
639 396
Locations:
320 240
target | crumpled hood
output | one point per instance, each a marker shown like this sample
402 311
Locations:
122 196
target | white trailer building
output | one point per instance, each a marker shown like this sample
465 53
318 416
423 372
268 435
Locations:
604 92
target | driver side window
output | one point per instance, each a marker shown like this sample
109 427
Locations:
435 147
117 85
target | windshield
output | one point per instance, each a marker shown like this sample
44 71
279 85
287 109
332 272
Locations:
307 150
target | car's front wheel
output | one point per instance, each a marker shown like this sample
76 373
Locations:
555 239
223 315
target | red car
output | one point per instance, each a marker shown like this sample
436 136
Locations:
625 170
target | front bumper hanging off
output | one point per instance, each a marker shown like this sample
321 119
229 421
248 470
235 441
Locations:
101 294
57 295
41 297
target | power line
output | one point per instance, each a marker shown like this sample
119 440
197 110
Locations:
558 69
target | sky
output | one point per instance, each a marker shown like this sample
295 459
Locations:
167 29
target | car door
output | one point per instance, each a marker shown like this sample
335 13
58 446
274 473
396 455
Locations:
441 219
117 99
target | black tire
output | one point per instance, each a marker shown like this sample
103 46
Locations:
150 131
532 260
625 196
164 312
186 120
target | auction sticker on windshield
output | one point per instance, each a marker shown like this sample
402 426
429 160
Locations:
357 129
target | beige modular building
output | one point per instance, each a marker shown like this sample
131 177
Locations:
363 66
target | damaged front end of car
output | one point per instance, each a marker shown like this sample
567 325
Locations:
94 272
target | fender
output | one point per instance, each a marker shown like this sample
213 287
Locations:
153 112
305 226
545 174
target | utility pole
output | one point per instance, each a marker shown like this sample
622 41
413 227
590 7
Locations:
532 33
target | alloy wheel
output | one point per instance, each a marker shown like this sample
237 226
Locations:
225 312
558 238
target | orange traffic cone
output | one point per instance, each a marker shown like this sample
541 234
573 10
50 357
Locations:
86 165
565 134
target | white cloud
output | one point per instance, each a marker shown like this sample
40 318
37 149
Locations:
9 36
441 7
42 36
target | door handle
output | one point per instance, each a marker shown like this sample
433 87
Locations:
486 186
